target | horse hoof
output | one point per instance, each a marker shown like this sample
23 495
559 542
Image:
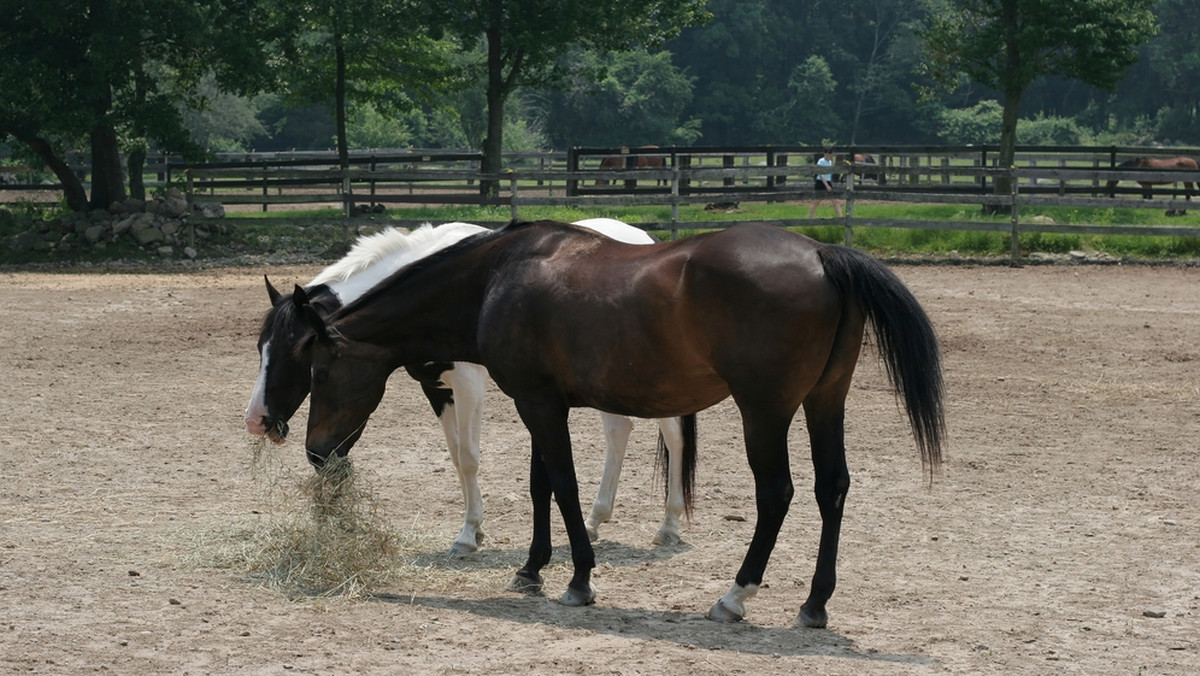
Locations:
575 598
721 613
593 533
666 538
811 619
526 584
461 549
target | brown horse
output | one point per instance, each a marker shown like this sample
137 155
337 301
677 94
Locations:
618 162
1177 163
563 317
864 165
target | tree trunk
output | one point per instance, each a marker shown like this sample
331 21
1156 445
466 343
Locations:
135 165
493 142
73 192
1012 103
108 185
339 94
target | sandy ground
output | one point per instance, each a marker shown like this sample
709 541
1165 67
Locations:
1063 535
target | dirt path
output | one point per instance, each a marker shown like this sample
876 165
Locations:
1062 536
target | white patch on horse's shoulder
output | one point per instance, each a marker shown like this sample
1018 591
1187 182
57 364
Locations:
618 230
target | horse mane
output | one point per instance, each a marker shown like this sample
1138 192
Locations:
420 264
390 243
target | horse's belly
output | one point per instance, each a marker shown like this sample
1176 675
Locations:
647 394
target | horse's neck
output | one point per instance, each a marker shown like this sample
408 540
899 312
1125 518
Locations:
429 312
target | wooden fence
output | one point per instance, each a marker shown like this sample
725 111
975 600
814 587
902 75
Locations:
682 177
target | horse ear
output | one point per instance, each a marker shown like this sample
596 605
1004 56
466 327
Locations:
272 293
317 322
299 296
314 318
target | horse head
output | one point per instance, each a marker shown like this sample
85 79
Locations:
283 372
347 385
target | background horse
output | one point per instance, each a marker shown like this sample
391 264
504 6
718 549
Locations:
563 317
455 390
617 163
864 166
1184 163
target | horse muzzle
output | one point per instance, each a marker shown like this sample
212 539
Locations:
275 430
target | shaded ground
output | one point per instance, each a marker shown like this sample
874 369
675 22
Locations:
1065 518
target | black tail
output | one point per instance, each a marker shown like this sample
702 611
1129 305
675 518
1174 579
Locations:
663 462
905 338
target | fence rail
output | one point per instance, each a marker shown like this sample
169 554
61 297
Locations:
681 177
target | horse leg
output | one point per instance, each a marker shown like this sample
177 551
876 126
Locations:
552 471
831 482
616 440
672 434
460 422
766 450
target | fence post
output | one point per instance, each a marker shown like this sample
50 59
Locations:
266 190
849 210
512 198
1016 228
674 200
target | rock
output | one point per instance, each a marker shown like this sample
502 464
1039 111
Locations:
170 227
189 252
24 241
1077 255
166 250
122 226
141 222
148 235
174 204
1154 612
94 233
209 209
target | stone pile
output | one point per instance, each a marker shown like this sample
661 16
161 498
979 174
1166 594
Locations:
160 225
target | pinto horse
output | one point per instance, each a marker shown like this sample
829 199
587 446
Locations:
1182 163
455 390
563 317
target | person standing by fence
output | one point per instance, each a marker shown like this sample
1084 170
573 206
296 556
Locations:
823 185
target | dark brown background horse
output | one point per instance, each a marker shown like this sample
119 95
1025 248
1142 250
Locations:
1180 163
617 163
865 166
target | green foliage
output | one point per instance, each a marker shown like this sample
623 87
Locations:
979 124
615 99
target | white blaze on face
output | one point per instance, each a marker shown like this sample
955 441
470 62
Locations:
256 410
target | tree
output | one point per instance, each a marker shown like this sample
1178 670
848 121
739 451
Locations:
109 74
524 39
629 98
1008 44
356 55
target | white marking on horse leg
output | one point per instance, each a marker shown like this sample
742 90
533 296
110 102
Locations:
732 606
256 410
616 439
668 533
461 422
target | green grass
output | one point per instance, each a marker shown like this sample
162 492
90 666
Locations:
278 232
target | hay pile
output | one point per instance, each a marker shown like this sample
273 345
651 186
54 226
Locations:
325 534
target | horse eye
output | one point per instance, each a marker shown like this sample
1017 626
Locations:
320 375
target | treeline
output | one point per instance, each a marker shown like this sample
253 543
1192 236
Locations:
116 78
785 72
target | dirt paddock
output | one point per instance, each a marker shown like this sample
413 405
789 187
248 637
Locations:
1063 535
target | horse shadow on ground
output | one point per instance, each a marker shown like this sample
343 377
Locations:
684 628
492 558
